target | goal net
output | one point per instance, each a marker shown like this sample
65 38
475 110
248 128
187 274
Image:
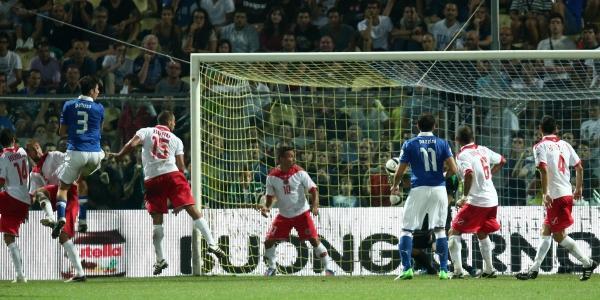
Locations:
346 114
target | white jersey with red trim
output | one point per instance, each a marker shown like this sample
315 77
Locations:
14 170
556 156
159 148
47 170
290 189
478 160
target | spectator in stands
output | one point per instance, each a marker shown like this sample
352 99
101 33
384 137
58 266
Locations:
114 68
124 16
482 24
500 124
169 35
274 27
256 11
172 84
375 28
245 190
8 17
346 196
220 12
516 173
288 42
48 66
326 44
378 186
471 42
342 34
59 35
71 85
408 31
506 39
447 29
100 46
184 10
224 46
130 170
10 64
571 12
307 34
80 59
25 11
588 38
529 20
149 66
590 180
33 84
79 13
428 42
592 11
351 11
5 119
590 132
243 37
201 36
557 72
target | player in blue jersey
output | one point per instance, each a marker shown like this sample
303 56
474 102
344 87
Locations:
426 155
81 121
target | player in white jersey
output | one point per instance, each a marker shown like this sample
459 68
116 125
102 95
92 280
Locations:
44 185
162 159
553 158
479 202
14 199
288 184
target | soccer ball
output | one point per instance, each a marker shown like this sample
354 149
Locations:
392 165
395 200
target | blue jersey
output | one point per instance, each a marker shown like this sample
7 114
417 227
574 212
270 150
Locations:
83 117
426 154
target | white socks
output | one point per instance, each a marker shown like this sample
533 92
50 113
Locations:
73 257
485 246
46 206
15 254
542 250
321 251
570 245
270 256
157 236
201 224
455 247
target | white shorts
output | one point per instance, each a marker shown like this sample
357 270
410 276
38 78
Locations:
80 163
425 200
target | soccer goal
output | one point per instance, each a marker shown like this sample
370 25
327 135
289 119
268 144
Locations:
346 114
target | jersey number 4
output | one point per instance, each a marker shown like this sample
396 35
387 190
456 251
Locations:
429 159
160 148
22 171
82 122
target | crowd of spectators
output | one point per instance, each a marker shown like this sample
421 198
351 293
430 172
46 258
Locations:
42 57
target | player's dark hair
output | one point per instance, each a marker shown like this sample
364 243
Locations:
548 125
464 135
164 117
7 137
426 122
282 150
88 83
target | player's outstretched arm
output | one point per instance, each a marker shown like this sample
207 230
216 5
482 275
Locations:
450 166
398 177
498 166
133 142
578 182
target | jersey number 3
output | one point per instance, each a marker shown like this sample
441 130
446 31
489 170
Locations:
429 159
82 122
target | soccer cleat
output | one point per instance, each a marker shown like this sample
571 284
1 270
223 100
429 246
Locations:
160 266
406 275
443 275
488 275
20 279
76 279
461 275
329 273
58 228
214 249
587 272
527 275
82 226
48 222
270 272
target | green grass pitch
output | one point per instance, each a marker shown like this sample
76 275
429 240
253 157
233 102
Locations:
307 288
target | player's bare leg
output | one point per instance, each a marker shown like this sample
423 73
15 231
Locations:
271 257
158 234
42 197
542 250
73 256
455 248
321 251
61 206
566 241
82 191
485 246
200 224
15 255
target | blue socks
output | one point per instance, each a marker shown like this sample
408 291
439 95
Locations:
441 246
61 206
405 248
83 207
